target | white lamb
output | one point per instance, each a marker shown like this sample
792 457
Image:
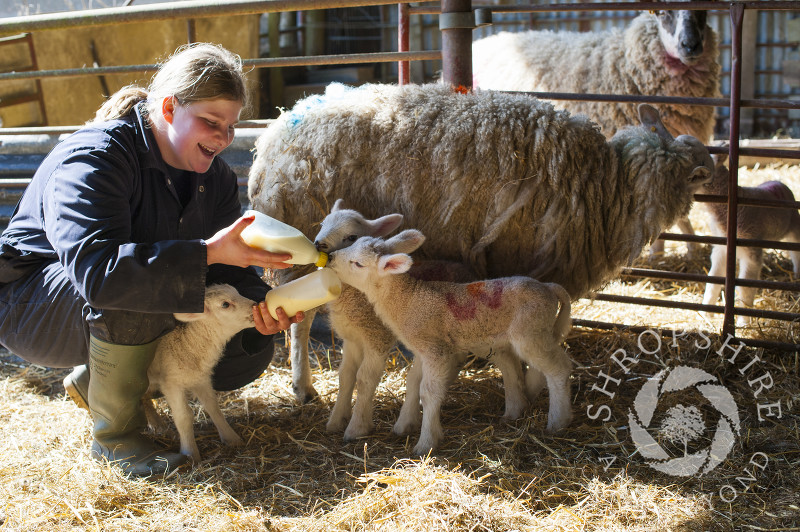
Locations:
759 223
366 341
671 53
186 357
501 182
441 323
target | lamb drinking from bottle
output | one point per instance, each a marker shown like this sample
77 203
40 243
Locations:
441 323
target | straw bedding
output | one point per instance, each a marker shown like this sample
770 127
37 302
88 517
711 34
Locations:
489 475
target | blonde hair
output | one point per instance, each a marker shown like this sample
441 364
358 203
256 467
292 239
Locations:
194 72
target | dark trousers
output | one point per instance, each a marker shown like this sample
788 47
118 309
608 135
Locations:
44 320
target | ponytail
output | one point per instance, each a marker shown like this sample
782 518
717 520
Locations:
120 103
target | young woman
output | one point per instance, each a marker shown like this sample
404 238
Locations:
124 223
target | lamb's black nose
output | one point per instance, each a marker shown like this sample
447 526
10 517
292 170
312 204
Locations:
321 246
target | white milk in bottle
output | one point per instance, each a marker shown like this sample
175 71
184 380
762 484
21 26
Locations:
273 235
305 293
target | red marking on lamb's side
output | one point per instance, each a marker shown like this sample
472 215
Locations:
476 292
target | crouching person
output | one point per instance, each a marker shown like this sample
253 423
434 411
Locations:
125 223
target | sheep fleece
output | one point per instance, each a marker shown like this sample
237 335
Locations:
454 164
612 62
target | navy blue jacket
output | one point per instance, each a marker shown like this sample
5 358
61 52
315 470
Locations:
102 204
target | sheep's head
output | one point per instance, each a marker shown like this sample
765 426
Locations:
370 258
230 310
702 165
343 226
683 34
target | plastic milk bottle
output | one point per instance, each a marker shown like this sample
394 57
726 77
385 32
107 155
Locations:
273 235
302 294
307 292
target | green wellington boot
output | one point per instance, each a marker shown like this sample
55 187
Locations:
119 380
76 385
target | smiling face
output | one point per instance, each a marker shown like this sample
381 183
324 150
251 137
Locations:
191 135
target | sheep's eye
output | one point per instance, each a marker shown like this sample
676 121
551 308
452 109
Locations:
226 304
356 264
351 238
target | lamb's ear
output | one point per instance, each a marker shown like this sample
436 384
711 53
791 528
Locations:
406 241
338 205
385 224
190 316
650 119
394 264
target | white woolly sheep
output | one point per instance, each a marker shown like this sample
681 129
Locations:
501 182
186 357
366 341
441 323
759 223
672 53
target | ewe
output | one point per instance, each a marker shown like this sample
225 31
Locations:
671 53
501 182
442 322
186 357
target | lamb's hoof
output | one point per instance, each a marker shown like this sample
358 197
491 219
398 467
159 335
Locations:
304 396
336 425
404 429
234 441
424 449
355 432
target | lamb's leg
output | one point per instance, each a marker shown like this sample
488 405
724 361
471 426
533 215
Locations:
535 382
556 366
510 367
369 376
352 358
302 383
750 263
718 259
208 398
410 417
183 418
794 236
692 248
437 373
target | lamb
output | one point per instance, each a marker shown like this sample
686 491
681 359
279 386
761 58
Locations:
760 223
366 340
673 53
186 357
441 323
503 183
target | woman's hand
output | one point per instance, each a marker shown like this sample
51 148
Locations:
265 324
228 247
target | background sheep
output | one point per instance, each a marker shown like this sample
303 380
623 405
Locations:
672 53
366 341
501 182
441 323
185 359
760 223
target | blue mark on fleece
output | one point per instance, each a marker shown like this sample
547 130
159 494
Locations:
334 91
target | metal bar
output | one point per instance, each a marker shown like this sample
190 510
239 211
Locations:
403 43
741 242
172 10
624 6
592 324
265 62
702 278
457 47
757 313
